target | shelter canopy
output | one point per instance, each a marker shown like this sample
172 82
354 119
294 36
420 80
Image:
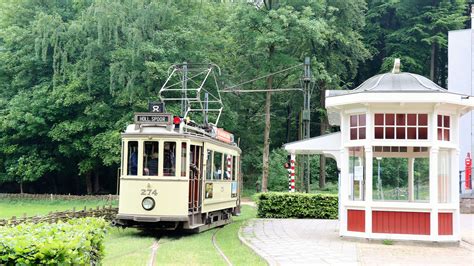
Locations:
329 145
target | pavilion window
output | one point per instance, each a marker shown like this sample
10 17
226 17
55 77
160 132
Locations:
401 126
357 126
444 127
444 172
357 173
400 173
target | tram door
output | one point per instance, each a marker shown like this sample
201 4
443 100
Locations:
195 172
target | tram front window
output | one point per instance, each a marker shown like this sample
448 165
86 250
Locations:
132 158
169 164
150 158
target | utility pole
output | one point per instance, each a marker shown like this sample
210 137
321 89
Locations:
306 120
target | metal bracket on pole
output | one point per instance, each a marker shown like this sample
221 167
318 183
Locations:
306 117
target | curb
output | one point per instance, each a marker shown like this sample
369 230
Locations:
269 260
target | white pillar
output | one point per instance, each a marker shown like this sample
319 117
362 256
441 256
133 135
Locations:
411 175
454 193
434 193
344 191
368 189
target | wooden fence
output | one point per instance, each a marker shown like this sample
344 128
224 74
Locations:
108 197
107 212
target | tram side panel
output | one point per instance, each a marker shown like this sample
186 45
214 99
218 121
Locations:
217 190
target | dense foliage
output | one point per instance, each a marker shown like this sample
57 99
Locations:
78 242
297 205
72 73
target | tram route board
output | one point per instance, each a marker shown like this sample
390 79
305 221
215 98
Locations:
153 118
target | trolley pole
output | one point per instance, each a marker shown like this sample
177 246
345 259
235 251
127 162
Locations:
306 120
184 90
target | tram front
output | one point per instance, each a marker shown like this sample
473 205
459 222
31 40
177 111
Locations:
153 178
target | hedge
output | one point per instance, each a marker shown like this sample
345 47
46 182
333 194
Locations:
77 241
297 205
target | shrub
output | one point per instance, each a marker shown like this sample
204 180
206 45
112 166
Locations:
77 241
297 205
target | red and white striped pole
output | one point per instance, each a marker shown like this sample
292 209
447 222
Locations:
292 173
229 166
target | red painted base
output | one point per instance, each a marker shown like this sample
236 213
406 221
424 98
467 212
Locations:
414 223
445 223
356 220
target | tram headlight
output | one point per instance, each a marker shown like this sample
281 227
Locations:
148 203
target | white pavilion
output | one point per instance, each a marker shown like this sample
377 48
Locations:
398 156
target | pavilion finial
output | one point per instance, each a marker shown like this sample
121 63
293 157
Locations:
396 66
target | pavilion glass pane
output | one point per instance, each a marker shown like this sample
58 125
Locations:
357 126
391 173
401 126
444 173
444 127
357 173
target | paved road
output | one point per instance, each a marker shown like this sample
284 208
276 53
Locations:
298 241
316 242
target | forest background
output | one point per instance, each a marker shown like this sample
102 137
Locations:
73 72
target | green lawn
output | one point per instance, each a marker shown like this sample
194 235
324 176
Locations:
15 207
197 249
131 247
127 247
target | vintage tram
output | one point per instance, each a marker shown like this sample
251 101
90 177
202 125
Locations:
175 175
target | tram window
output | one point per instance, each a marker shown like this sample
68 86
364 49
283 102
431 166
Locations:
227 166
150 158
209 165
132 158
234 168
183 159
169 164
217 165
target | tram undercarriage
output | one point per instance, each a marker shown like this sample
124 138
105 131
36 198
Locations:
193 223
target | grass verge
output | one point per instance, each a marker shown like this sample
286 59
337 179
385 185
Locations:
127 247
197 249
229 242
16 207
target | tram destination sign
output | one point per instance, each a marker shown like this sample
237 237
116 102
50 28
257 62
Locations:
153 118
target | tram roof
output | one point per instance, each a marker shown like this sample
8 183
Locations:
137 130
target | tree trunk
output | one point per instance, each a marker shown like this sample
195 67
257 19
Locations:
266 135
55 184
21 187
434 63
89 183
322 171
96 182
